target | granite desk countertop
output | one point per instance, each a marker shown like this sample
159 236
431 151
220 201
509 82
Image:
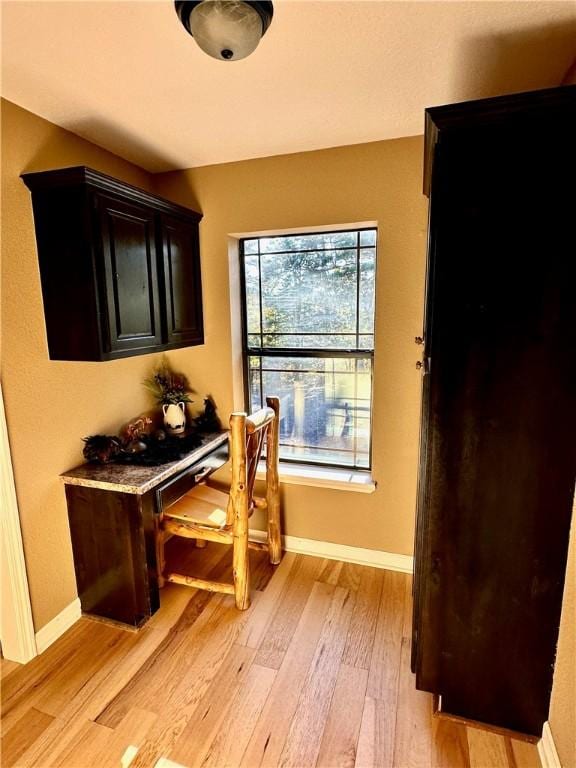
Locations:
131 478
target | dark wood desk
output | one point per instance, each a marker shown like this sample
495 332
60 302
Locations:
113 511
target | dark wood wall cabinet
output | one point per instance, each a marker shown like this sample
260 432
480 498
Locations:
498 447
120 267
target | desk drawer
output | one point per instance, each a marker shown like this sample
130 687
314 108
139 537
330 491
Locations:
177 486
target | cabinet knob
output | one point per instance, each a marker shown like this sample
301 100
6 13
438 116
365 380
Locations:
418 340
418 364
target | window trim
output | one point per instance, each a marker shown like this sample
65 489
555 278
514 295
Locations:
355 352
323 476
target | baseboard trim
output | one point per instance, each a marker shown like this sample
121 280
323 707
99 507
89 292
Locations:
547 749
375 558
58 625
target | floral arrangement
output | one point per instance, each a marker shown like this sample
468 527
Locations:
139 442
168 387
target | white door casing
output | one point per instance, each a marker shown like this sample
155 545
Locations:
16 624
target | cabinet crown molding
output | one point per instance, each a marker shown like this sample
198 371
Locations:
81 174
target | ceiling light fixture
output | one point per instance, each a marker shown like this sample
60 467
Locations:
226 29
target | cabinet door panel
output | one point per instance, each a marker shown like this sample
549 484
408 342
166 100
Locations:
110 532
182 282
131 275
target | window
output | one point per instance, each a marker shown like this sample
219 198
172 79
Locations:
309 338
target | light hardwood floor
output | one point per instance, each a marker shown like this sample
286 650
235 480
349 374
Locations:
315 673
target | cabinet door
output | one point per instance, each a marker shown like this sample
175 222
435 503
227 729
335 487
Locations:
129 290
114 557
182 282
500 453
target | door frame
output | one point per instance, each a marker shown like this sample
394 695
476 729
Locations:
16 624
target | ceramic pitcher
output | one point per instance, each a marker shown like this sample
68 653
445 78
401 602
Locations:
174 418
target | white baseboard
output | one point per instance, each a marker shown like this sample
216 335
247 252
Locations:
58 625
547 749
375 558
326 549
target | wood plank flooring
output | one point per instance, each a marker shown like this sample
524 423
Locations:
315 673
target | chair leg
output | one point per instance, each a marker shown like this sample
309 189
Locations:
239 510
274 538
273 486
241 569
273 505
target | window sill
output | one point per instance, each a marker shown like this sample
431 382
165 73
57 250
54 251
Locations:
323 477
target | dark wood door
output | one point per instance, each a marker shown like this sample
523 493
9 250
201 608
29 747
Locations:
130 285
182 281
500 459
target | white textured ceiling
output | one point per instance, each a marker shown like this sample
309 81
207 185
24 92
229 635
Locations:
128 77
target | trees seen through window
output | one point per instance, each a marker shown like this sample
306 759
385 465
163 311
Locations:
309 338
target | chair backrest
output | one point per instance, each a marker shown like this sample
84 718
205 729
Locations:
247 437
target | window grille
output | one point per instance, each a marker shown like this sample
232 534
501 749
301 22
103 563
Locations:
308 330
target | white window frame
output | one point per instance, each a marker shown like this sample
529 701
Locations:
297 473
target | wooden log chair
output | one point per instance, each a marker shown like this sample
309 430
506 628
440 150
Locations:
207 514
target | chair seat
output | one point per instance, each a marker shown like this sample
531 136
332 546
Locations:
202 505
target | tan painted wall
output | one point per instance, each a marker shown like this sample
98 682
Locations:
50 405
379 181
563 703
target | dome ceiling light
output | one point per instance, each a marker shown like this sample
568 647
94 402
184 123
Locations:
226 29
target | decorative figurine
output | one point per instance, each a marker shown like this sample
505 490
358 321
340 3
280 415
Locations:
136 428
101 449
208 421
